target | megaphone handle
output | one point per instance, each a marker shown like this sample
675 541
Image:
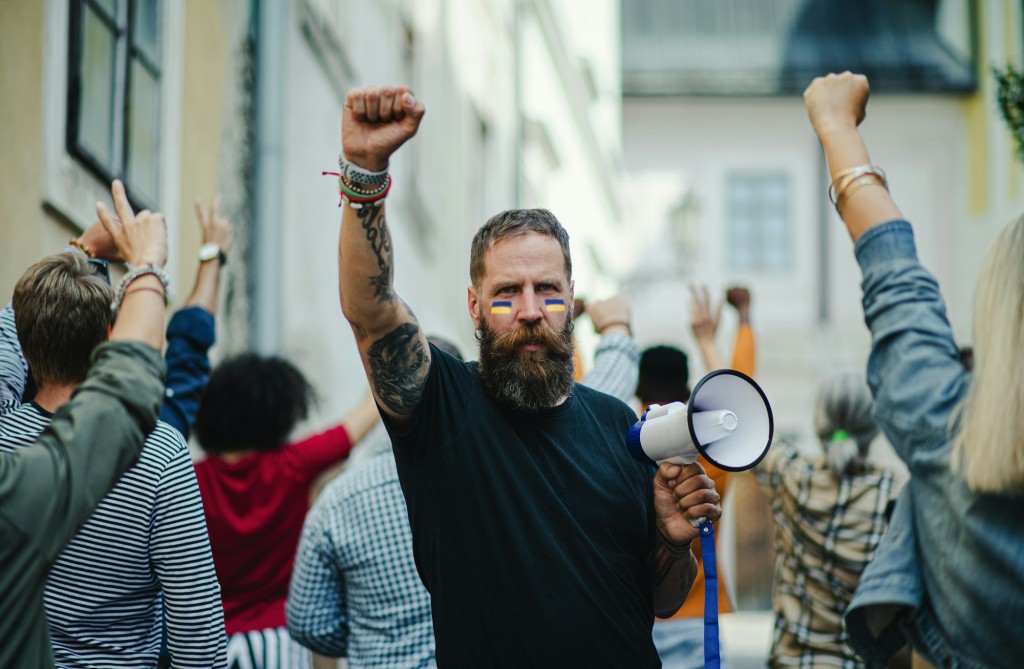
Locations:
712 655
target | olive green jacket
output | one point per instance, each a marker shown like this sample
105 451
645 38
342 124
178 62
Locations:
48 490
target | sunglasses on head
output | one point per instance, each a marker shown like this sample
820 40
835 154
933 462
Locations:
101 267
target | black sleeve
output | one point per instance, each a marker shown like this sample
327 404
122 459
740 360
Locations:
450 388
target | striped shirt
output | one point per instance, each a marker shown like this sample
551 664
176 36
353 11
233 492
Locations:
144 550
826 532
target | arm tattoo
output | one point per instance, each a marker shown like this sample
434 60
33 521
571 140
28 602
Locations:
398 368
371 218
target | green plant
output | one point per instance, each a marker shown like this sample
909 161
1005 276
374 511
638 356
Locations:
1010 96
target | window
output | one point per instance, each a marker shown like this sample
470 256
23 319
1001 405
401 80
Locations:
114 92
758 229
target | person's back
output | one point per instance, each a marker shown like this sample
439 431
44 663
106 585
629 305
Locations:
256 489
48 489
355 592
829 513
255 507
144 553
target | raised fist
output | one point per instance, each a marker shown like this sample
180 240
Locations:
738 297
837 101
606 313
375 122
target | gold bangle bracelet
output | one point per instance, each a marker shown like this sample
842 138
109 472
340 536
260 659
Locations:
850 187
847 176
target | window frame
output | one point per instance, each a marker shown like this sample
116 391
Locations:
758 268
126 53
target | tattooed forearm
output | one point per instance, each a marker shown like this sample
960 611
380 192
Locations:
398 368
381 285
371 218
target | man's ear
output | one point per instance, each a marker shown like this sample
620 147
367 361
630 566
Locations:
474 306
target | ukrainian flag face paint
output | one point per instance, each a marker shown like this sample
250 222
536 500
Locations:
554 305
501 307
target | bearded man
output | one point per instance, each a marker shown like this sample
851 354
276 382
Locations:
541 541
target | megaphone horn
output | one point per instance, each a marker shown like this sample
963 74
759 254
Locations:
728 420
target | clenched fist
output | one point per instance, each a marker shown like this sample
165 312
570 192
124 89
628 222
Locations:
837 102
375 122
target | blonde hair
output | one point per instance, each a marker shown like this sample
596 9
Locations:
989 448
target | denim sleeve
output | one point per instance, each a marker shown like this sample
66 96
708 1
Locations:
914 368
190 334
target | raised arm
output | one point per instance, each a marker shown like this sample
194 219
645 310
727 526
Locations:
914 368
836 105
191 332
375 123
617 358
704 323
47 490
744 351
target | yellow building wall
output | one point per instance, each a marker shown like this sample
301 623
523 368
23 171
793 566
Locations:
25 229
28 230
205 86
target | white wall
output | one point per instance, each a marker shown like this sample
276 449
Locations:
673 146
460 168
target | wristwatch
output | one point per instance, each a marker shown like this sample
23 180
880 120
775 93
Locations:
210 251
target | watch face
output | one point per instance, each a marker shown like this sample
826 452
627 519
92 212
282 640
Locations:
208 252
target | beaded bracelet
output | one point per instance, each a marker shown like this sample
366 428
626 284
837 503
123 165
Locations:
81 247
357 190
135 273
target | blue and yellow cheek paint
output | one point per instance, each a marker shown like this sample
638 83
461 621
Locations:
554 304
501 307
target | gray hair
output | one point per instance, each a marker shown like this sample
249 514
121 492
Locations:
843 422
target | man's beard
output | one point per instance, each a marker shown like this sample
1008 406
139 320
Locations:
527 380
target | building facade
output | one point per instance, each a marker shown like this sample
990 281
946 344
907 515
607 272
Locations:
244 97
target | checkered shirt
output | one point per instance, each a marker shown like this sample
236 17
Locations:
826 532
355 591
616 367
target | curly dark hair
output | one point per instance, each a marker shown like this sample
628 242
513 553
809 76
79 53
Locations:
252 402
664 376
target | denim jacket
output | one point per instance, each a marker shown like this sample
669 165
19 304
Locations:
952 562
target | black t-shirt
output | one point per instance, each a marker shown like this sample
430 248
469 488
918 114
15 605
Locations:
531 531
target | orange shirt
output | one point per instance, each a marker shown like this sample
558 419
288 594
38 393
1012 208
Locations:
743 360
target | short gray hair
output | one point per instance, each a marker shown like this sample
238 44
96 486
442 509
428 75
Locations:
844 405
513 223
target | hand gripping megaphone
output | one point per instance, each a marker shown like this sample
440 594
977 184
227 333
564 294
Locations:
728 420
